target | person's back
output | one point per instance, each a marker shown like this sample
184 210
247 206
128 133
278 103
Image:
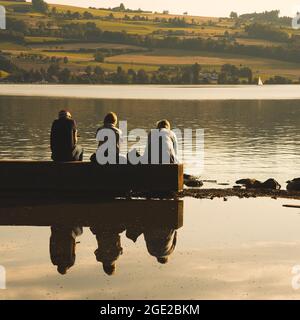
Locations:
160 242
165 144
64 139
112 146
62 246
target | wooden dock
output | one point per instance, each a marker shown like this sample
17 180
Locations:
43 176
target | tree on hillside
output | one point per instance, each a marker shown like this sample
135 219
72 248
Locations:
233 15
99 56
40 6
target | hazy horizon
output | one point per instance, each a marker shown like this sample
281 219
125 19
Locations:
217 8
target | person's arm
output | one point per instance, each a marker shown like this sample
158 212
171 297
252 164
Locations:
175 144
75 136
52 137
121 137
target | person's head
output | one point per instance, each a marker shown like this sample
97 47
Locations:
163 124
64 114
162 260
110 119
62 269
109 268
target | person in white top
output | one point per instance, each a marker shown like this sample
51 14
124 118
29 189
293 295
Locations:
162 144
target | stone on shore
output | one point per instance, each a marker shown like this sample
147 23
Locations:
271 184
192 181
293 185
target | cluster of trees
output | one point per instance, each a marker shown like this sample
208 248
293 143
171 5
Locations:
8 35
122 8
177 22
56 73
267 32
39 6
266 16
71 15
39 58
135 18
231 74
279 80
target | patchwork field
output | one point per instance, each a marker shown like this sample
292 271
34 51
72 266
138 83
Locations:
81 54
261 67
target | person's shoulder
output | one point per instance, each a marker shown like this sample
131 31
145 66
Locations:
119 131
55 122
173 134
71 122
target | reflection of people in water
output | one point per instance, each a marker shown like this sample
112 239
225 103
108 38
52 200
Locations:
109 246
160 242
62 246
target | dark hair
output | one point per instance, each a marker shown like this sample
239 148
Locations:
163 124
62 269
162 260
109 268
110 118
64 114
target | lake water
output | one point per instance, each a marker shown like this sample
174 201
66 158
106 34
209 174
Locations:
241 248
243 138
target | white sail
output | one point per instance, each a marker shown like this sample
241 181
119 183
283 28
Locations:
260 83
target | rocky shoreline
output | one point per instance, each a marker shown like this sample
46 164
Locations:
240 193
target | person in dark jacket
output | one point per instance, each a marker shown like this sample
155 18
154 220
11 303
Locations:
63 139
63 246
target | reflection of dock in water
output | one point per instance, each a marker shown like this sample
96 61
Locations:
87 212
156 220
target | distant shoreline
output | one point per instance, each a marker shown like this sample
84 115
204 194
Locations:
154 92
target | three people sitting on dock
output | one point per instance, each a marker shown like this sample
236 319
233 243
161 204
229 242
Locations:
63 139
161 147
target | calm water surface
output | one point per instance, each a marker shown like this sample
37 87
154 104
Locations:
239 249
242 138
235 249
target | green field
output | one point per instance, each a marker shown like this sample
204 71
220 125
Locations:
81 54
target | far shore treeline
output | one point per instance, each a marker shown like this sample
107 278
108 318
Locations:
33 25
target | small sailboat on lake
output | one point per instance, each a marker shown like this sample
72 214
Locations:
260 82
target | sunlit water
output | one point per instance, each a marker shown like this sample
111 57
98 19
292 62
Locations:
234 249
242 138
243 249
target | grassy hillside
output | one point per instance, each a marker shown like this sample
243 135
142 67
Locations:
43 42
